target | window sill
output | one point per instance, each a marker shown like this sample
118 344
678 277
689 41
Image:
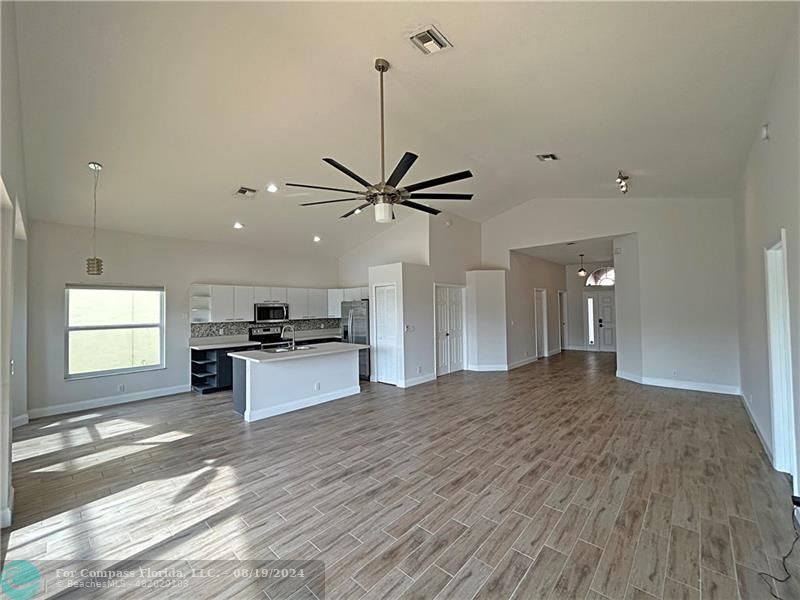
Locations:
114 373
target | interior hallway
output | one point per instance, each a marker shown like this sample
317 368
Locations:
547 481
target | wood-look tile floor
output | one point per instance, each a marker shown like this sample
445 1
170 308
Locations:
555 480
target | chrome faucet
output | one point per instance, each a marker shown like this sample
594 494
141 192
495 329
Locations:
283 333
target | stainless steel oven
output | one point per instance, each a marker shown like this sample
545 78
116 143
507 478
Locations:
271 312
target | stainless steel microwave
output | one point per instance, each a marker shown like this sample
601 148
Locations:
271 312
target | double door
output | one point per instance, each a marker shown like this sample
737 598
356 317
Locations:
449 329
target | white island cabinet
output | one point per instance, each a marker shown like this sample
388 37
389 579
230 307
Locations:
266 384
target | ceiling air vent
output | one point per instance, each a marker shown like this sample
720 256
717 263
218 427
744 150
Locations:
430 40
245 192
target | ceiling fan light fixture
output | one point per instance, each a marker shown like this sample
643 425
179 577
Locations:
94 265
383 212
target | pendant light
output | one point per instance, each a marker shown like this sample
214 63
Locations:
581 271
94 265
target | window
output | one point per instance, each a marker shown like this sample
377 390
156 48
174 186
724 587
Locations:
113 330
603 276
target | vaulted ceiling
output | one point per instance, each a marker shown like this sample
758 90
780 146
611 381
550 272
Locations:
184 102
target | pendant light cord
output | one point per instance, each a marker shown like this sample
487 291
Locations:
94 213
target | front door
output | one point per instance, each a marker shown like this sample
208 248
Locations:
599 321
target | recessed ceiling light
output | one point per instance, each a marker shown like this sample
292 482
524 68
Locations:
570 243
238 225
317 238
272 188
547 157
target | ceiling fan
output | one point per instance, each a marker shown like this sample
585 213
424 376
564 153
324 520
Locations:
387 193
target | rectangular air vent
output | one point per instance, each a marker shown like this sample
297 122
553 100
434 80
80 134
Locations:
430 40
245 192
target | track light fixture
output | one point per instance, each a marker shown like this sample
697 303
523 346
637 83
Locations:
582 270
622 182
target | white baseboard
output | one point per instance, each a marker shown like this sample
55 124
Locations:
19 420
554 352
60 409
629 376
521 363
498 367
757 429
279 409
6 513
417 380
580 348
695 386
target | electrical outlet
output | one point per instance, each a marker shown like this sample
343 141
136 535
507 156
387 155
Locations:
121 387
221 331
526 353
317 386
675 373
419 370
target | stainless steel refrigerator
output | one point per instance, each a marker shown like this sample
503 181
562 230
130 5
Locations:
355 330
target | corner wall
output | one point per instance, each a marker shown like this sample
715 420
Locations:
527 273
689 319
769 200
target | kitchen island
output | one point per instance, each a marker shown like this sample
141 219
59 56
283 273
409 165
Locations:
269 383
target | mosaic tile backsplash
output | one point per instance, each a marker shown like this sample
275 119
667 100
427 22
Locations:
243 327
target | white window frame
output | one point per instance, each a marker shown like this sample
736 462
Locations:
109 372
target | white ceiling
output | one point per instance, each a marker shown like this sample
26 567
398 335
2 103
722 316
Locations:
183 102
594 250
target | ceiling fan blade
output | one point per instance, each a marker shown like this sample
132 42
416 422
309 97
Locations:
438 181
352 212
401 169
422 207
320 187
330 201
346 171
431 196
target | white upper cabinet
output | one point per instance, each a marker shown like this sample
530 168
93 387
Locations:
352 294
365 293
277 294
261 294
243 303
317 303
335 298
298 302
221 303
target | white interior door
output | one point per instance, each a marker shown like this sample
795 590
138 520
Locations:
599 321
455 319
386 334
442 340
562 319
449 329
540 321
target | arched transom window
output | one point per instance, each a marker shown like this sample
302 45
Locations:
604 276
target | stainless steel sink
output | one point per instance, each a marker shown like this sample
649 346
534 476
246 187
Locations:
282 350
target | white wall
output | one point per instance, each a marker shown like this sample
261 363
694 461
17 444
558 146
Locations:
405 240
19 334
455 248
418 334
487 333
527 273
57 255
627 301
689 319
769 200
576 328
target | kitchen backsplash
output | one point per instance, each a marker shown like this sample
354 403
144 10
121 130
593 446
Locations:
225 328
